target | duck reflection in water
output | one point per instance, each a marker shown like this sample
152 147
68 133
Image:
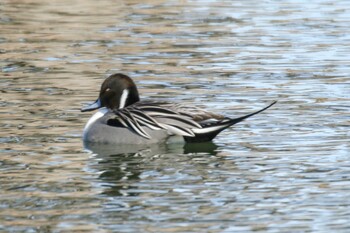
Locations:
121 166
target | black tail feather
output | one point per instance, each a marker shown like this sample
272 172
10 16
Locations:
239 119
205 137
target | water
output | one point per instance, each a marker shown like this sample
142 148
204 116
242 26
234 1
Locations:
284 170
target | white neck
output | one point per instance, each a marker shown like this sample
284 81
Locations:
123 98
100 113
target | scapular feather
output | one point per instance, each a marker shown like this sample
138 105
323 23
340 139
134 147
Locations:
182 119
156 110
175 129
145 118
133 124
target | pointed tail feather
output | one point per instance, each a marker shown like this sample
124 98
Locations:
239 119
208 132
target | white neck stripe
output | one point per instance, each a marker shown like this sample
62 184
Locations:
123 98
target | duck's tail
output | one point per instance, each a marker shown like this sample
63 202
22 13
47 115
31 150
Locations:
210 130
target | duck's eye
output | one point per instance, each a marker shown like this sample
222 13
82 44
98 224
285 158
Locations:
107 90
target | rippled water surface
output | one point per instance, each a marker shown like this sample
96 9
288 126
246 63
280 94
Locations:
285 170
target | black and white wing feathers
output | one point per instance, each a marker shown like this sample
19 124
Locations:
156 117
194 124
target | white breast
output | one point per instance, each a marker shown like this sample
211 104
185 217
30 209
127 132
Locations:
100 113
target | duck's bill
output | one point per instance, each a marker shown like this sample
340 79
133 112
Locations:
93 106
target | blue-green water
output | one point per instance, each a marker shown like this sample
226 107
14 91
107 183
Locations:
285 170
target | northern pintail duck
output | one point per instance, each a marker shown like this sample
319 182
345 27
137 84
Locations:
123 118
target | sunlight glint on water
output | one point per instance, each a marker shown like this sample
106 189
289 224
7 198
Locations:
284 170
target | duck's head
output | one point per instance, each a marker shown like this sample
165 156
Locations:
117 91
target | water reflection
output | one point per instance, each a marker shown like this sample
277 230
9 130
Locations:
121 165
284 171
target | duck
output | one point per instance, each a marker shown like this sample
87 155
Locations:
123 118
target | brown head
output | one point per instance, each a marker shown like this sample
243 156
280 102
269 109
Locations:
117 91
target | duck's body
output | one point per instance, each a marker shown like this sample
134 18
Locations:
100 132
123 119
